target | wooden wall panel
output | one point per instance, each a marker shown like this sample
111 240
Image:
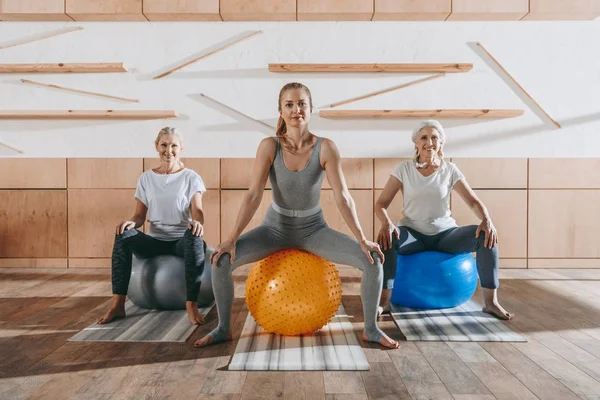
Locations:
563 10
363 200
105 10
258 10
209 169
335 10
395 211
508 209
33 173
494 173
564 223
33 10
583 263
211 203
34 223
231 201
411 10
103 173
33 263
383 168
488 10
93 217
236 173
564 173
182 10
358 173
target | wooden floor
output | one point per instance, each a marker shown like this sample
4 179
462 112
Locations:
557 310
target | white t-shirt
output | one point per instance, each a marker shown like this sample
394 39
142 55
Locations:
168 200
427 198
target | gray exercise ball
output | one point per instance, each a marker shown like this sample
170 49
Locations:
159 282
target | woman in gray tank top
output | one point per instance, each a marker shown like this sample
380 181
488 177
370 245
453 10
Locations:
295 161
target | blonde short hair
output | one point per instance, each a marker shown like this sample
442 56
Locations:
168 131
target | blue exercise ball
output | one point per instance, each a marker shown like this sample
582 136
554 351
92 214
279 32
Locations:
159 282
434 280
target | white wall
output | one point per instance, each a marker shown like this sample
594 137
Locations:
558 63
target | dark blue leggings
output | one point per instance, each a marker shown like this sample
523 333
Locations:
132 241
454 241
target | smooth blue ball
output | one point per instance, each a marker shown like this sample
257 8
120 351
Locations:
434 280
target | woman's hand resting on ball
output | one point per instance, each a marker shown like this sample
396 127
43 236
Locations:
228 246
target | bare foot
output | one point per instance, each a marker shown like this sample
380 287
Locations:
115 312
385 341
497 311
193 313
207 341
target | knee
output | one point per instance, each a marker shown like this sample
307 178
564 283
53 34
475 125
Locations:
223 264
190 237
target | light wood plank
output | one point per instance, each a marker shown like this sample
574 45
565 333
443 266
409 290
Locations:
304 385
383 168
237 172
211 203
89 262
33 10
354 68
564 223
33 263
358 173
182 10
61 68
513 263
564 173
34 223
33 173
409 10
93 216
230 206
87 114
209 169
363 200
258 10
508 210
548 10
105 10
466 113
572 263
381 382
494 173
395 211
488 10
104 173
335 10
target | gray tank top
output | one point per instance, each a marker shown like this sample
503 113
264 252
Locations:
297 190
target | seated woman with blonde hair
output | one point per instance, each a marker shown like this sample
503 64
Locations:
170 196
426 183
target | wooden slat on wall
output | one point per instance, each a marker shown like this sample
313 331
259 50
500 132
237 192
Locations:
237 172
33 10
211 203
231 201
563 10
261 10
395 211
494 173
383 168
564 173
508 209
34 223
363 200
93 217
33 173
335 10
209 169
488 10
358 173
105 10
103 173
564 223
411 10
182 10
33 262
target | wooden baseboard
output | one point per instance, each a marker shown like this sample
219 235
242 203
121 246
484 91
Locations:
33 263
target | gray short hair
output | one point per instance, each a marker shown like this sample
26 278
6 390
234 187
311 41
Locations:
168 131
433 124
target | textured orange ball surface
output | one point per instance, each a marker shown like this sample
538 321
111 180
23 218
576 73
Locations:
293 292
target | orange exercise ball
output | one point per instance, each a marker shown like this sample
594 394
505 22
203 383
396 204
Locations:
292 292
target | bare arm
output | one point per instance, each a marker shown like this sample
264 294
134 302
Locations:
333 168
253 197
476 205
138 219
196 208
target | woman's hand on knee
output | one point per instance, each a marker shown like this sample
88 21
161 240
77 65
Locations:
369 247
123 226
489 230
385 236
196 228
227 246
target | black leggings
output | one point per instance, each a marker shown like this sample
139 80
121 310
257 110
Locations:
132 241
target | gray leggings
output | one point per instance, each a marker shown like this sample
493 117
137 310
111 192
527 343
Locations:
453 241
279 232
